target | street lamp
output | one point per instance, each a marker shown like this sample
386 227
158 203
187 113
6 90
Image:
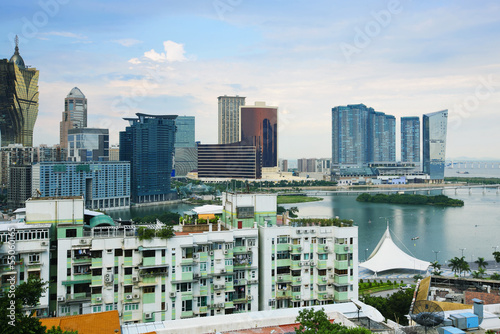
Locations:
462 249
495 248
366 250
436 252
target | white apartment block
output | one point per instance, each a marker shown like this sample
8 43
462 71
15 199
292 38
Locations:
99 265
306 266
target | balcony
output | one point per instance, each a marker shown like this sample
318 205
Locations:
295 265
78 296
283 263
296 280
187 262
341 296
97 262
343 248
82 260
284 294
281 278
148 261
296 249
341 279
322 264
341 265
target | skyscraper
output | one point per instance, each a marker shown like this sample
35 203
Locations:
18 100
148 143
185 146
74 115
229 118
434 144
362 135
259 127
410 139
88 144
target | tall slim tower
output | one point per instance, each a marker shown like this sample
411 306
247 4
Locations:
186 158
434 144
18 100
74 115
259 127
148 143
229 118
410 139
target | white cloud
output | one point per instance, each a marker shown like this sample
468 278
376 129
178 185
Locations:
127 41
134 61
64 34
173 52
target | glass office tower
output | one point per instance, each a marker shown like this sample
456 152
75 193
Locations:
229 118
434 144
410 139
18 100
148 143
185 157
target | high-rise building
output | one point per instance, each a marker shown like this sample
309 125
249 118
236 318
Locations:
233 161
20 186
362 135
74 115
102 184
229 118
185 157
18 100
148 143
434 144
283 165
259 127
88 144
410 139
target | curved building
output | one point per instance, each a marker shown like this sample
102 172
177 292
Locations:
74 115
434 144
18 100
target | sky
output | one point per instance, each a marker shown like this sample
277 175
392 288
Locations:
401 57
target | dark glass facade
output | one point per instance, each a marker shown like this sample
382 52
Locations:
148 143
434 144
234 161
185 146
18 101
88 144
259 127
410 139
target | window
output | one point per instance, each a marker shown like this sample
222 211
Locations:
149 253
71 233
149 289
128 271
183 287
127 289
229 262
187 305
323 256
187 269
65 309
97 309
296 241
128 253
283 239
109 307
118 252
203 266
131 307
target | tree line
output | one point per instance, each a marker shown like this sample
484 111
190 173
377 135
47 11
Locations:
438 200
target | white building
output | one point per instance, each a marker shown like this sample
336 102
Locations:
306 266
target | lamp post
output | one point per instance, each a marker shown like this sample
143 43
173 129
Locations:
436 252
462 249
366 250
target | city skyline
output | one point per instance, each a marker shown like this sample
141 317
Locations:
405 58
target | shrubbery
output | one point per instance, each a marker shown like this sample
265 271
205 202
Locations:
438 200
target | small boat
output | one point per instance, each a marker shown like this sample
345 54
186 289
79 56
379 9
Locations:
415 238
458 172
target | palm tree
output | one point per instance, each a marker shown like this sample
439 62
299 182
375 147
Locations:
481 263
436 268
464 265
497 256
455 265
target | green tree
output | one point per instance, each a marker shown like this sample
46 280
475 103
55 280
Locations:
464 265
455 265
394 307
497 256
436 268
58 330
13 320
316 322
481 263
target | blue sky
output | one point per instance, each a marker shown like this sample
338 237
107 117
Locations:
404 58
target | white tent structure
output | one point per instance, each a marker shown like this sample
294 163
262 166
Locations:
388 256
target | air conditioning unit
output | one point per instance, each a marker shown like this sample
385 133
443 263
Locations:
299 231
326 248
83 241
299 279
60 299
306 231
211 253
346 248
280 278
223 271
109 251
221 304
129 297
313 231
196 275
249 249
290 248
136 296
119 314
45 243
172 294
324 279
311 263
148 315
299 248
217 286
135 279
98 299
108 278
225 252
297 297
250 297
332 276
196 256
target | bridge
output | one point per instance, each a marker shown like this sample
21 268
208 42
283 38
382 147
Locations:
472 164
394 190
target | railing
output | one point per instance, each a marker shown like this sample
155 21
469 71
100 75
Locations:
78 296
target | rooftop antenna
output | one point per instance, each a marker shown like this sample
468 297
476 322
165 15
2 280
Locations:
17 42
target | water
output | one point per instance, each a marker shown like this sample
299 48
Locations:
126 214
483 169
475 226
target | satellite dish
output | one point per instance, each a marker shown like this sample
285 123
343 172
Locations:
427 313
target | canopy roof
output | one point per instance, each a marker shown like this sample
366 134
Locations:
388 256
